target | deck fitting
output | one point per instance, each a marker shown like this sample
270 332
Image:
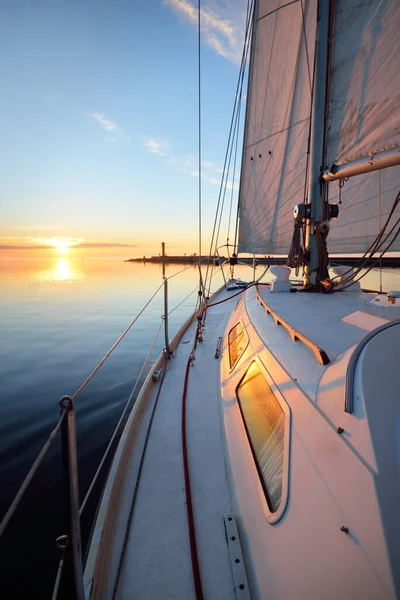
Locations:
236 559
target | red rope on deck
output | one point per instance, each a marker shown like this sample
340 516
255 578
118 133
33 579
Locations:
189 507
237 294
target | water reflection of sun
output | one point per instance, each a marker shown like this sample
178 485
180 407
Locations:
62 269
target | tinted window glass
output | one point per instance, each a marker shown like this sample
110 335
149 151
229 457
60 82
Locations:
265 424
237 341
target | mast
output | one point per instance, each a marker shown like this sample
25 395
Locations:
317 186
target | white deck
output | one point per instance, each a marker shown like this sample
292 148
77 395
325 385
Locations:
305 552
318 317
156 563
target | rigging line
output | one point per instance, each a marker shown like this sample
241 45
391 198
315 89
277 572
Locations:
247 45
306 45
380 226
123 334
181 271
239 82
191 266
374 264
214 273
184 300
249 18
310 121
235 133
199 122
82 508
352 276
233 178
374 246
31 473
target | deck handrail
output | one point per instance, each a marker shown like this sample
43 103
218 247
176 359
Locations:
295 334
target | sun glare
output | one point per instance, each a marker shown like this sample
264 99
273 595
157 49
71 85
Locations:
62 246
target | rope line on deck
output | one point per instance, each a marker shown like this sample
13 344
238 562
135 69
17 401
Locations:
257 282
31 473
189 506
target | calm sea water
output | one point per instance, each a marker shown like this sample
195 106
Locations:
58 317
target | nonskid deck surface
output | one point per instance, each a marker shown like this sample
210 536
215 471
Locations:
320 317
157 561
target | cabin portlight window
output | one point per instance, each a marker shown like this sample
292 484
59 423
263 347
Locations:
237 342
264 420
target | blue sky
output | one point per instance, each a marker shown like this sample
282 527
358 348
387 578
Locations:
99 119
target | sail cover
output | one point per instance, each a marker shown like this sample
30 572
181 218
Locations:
364 98
277 123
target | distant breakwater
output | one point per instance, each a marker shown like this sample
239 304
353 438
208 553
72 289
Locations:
387 261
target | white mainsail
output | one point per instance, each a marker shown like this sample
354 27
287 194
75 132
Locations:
277 123
364 98
362 118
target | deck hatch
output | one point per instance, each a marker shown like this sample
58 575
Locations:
265 422
237 343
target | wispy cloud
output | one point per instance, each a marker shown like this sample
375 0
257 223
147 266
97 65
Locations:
187 164
106 123
35 227
111 127
222 24
104 245
47 243
160 147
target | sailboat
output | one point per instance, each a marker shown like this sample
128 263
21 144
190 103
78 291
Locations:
261 458
264 462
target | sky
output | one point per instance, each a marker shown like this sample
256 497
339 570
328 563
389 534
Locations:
98 111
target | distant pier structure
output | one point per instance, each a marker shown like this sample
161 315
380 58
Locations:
387 261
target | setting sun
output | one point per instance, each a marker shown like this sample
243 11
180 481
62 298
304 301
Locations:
62 246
